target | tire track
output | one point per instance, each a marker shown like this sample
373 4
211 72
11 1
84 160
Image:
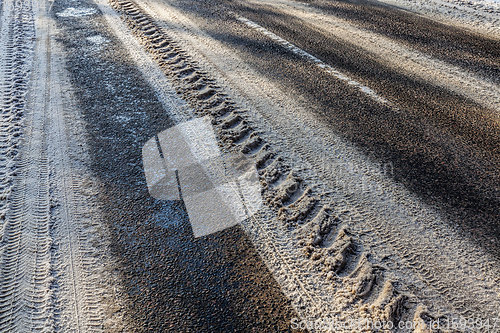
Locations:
17 29
293 200
49 270
77 262
25 259
16 42
73 228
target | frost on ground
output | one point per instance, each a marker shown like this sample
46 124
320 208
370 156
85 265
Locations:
477 15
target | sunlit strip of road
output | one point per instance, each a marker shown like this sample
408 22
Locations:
319 63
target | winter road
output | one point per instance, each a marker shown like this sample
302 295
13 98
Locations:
370 129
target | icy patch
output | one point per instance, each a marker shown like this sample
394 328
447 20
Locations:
76 12
97 40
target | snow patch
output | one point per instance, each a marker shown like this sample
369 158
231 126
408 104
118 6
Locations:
97 40
76 12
